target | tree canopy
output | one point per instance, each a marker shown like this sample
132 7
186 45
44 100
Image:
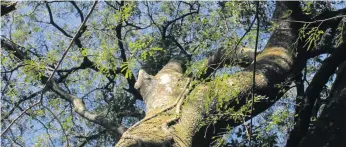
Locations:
173 73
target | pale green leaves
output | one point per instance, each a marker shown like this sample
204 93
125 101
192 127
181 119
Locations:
36 29
67 123
143 47
278 118
307 8
19 35
125 67
105 59
312 37
84 52
150 52
52 57
125 12
33 69
197 68
286 14
54 102
339 38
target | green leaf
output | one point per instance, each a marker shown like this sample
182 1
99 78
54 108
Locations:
84 52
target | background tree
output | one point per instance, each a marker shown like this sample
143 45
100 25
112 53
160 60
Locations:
201 56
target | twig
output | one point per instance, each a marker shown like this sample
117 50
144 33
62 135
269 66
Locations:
322 20
62 127
224 57
13 121
70 45
247 131
54 24
254 71
79 11
45 86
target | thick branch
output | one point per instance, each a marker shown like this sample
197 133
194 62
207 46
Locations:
220 95
7 7
329 129
14 48
76 102
313 92
80 109
241 56
274 65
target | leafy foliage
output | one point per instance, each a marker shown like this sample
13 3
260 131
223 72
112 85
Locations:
99 70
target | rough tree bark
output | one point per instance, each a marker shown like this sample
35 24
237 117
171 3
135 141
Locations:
176 107
329 129
7 7
313 92
176 110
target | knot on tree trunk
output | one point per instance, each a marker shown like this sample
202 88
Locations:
164 124
163 89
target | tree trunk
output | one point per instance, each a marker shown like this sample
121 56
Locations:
177 108
313 92
329 129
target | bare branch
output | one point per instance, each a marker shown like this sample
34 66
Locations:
151 15
80 109
135 26
14 120
18 103
109 4
61 126
73 39
79 11
54 24
166 24
181 47
76 102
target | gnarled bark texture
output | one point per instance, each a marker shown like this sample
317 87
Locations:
329 129
312 94
176 110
